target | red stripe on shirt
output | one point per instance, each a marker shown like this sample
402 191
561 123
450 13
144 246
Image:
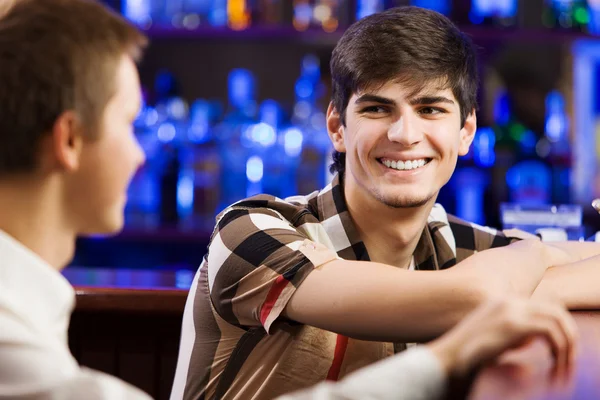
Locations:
274 292
338 357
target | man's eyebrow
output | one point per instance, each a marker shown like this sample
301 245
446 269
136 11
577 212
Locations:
421 100
372 98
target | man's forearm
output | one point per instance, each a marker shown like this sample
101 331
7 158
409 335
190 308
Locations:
578 250
371 301
576 285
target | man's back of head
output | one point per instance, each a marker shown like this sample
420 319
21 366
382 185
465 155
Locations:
70 94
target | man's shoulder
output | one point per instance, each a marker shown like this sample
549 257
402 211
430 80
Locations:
287 209
465 234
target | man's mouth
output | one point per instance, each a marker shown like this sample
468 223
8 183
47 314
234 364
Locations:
404 165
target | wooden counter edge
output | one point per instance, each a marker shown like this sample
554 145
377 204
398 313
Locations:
131 300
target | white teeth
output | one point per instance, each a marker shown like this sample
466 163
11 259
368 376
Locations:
405 165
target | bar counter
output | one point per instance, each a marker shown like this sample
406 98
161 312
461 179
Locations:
128 322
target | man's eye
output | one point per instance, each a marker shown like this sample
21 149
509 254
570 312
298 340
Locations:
374 110
431 111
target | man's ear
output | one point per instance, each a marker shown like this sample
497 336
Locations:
67 141
335 128
467 133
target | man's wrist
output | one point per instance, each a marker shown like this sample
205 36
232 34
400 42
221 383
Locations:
445 352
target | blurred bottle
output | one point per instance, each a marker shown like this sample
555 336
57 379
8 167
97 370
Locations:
493 12
239 14
196 13
329 15
303 14
529 183
557 134
470 184
140 12
441 6
271 12
267 144
143 195
218 13
568 14
364 8
171 134
198 188
310 119
233 145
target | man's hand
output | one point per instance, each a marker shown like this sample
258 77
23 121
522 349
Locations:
504 324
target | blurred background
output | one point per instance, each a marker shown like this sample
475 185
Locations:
236 90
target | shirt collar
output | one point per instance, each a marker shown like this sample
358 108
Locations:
436 248
32 289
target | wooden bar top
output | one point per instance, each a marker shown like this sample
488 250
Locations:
527 373
127 290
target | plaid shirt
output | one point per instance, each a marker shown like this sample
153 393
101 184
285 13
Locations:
236 345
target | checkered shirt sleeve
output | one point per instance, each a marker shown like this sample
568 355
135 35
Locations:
256 261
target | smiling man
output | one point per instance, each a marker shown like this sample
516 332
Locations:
314 287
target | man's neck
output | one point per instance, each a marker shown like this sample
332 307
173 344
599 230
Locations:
30 214
390 234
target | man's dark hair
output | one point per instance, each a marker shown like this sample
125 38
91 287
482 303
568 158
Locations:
411 45
56 56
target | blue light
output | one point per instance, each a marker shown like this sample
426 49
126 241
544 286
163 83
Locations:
364 8
137 11
304 88
184 279
241 85
528 141
254 169
270 112
441 6
151 116
292 142
555 126
483 147
199 130
475 18
529 183
311 68
218 13
166 132
594 25
502 109
185 193
556 120
303 13
493 8
586 54
177 108
263 134
562 5
470 184
302 110
555 102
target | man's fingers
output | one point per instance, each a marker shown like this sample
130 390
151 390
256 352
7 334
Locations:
565 323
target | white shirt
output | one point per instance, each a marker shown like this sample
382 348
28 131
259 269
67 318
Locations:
415 374
36 302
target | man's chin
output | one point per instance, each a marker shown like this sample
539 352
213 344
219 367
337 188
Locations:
110 227
407 202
